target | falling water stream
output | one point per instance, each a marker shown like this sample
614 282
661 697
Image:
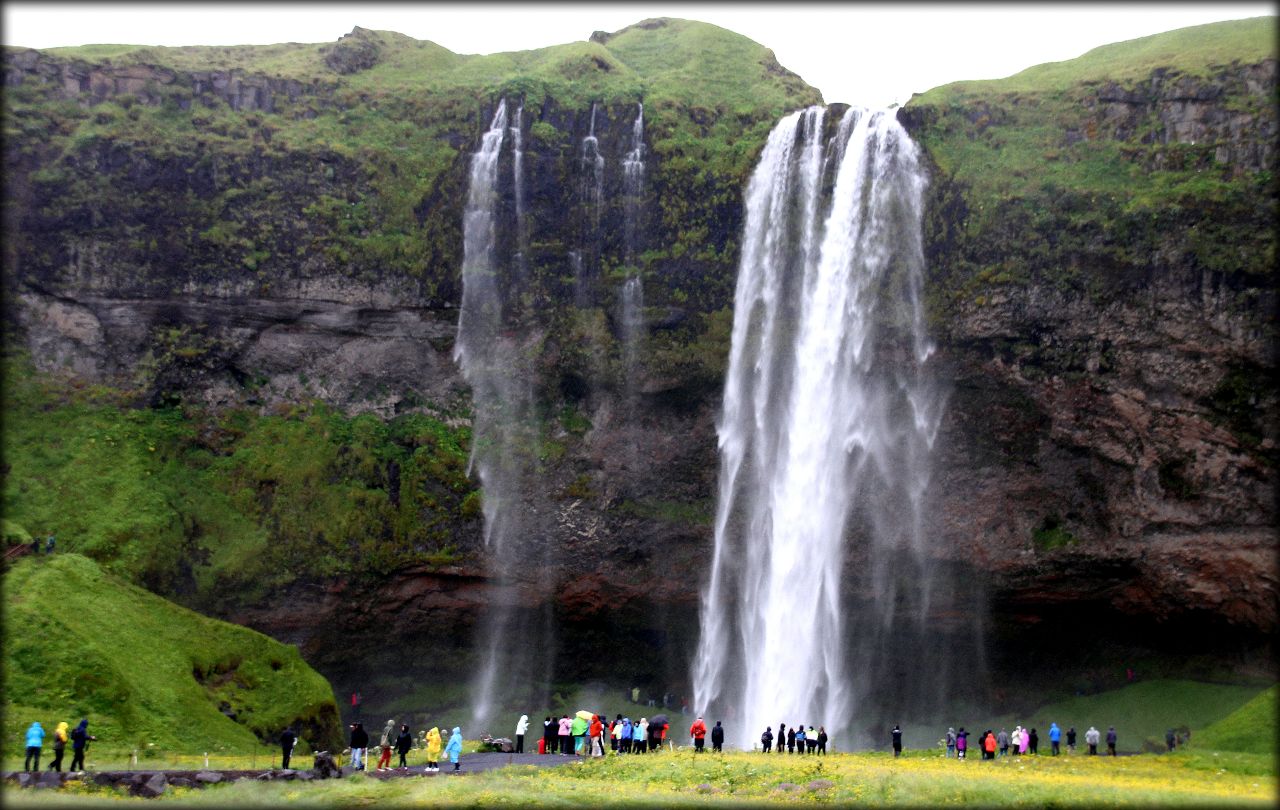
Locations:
824 436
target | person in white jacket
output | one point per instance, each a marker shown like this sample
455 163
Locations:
1015 741
1091 738
521 728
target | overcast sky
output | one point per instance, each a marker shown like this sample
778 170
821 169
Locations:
873 54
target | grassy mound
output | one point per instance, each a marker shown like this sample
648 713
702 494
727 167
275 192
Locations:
1249 729
148 674
1140 711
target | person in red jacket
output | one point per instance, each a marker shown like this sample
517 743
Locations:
699 732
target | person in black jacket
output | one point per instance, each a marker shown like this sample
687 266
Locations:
359 744
897 741
717 737
288 739
1034 743
782 737
766 740
549 731
403 743
80 738
822 740
791 740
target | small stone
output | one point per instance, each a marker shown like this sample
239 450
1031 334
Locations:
209 777
153 785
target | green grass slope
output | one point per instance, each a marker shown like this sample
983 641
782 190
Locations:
1193 51
148 674
1249 729
1141 711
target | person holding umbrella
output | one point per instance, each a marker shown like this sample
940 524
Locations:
658 726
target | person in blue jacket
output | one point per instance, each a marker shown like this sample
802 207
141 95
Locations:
1055 737
454 748
624 744
80 738
35 739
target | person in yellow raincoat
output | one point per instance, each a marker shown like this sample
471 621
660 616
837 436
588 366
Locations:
433 750
60 737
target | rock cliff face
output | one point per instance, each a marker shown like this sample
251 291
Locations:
1109 445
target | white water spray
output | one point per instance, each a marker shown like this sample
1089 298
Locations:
823 438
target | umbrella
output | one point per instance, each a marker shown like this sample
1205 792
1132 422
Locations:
584 714
658 720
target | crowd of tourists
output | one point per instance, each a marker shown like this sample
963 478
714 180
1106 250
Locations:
1022 742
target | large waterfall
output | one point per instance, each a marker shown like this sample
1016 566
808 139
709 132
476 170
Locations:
825 434
495 361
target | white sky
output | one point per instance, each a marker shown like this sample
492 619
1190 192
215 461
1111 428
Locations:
873 54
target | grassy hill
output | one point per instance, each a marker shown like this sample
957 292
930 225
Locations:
1140 711
1251 729
1077 172
148 674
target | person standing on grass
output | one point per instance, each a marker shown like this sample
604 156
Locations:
822 740
80 738
800 738
782 737
359 744
962 743
811 740
60 738
1055 736
404 744
1071 739
638 732
454 748
384 746
1091 738
897 740
522 725
1033 744
989 745
433 750
1002 740
717 737
1111 741
625 738
1169 739
288 739
699 733
35 739
1015 741
951 742
766 740
596 733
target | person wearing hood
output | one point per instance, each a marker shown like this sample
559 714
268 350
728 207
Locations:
521 727
951 742
624 736
1071 739
810 740
60 737
35 739
384 746
1055 737
1091 738
989 745
1002 740
80 738
566 734
897 740
288 739
1015 741
454 748
578 730
596 733
1111 740
549 730
639 732
766 740
615 735
801 737
698 731
822 740
962 743
433 750
404 743
782 737
717 737
1033 742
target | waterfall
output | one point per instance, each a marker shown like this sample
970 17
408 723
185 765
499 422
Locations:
824 437
633 184
492 353
593 172
517 168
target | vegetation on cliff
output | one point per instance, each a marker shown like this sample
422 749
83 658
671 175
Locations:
149 675
212 505
1085 174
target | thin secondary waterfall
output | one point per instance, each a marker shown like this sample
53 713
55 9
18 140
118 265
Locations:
633 184
824 434
517 169
495 362
632 297
593 172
